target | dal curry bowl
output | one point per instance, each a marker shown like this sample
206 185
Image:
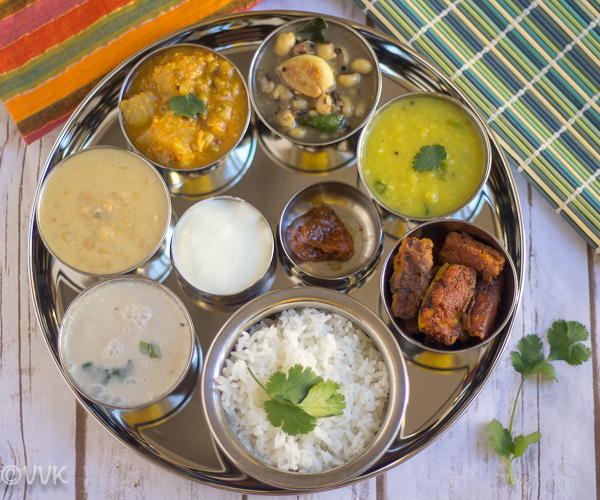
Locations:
424 156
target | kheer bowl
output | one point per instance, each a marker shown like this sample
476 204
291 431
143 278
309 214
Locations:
343 66
108 206
328 301
418 347
472 121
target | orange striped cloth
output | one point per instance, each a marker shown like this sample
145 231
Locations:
53 52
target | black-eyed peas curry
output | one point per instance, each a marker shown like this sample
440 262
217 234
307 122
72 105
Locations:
315 81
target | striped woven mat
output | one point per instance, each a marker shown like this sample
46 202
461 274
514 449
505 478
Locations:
533 69
53 52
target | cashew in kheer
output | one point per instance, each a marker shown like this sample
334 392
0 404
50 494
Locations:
307 74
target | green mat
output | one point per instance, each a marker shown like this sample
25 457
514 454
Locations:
533 69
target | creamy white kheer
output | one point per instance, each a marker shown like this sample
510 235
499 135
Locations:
103 211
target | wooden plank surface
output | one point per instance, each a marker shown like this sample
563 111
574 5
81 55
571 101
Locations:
41 424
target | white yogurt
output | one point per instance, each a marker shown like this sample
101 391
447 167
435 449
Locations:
222 245
126 342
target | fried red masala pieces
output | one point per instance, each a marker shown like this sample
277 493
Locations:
462 299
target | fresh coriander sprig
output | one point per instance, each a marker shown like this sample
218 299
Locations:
430 158
564 338
299 399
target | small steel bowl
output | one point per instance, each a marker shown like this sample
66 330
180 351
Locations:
476 120
133 267
417 347
361 219
294 25
198 181
191 357
325 300
223 302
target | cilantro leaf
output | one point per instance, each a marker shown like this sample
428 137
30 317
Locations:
500 439
149 349
429 158
531 359
187 105
295 387
563 337
315 30
291 418
323 123
522 442
299 399
324 400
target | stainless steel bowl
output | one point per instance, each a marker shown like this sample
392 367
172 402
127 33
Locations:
209 179
269 41
232 300
476 120
418 348
138 265
361 219
329 301
192 356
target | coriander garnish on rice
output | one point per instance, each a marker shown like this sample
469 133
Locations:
298 400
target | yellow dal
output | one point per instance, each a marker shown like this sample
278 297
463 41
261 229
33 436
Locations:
397 136
103 211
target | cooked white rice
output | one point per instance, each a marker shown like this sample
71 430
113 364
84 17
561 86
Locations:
335 350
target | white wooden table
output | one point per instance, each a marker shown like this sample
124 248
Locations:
42 425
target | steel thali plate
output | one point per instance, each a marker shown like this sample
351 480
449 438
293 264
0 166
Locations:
174 434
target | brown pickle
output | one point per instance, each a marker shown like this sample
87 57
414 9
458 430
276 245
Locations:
319 235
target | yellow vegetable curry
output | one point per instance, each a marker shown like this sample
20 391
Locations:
180 142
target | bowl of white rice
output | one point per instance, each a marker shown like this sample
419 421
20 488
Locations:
341 341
